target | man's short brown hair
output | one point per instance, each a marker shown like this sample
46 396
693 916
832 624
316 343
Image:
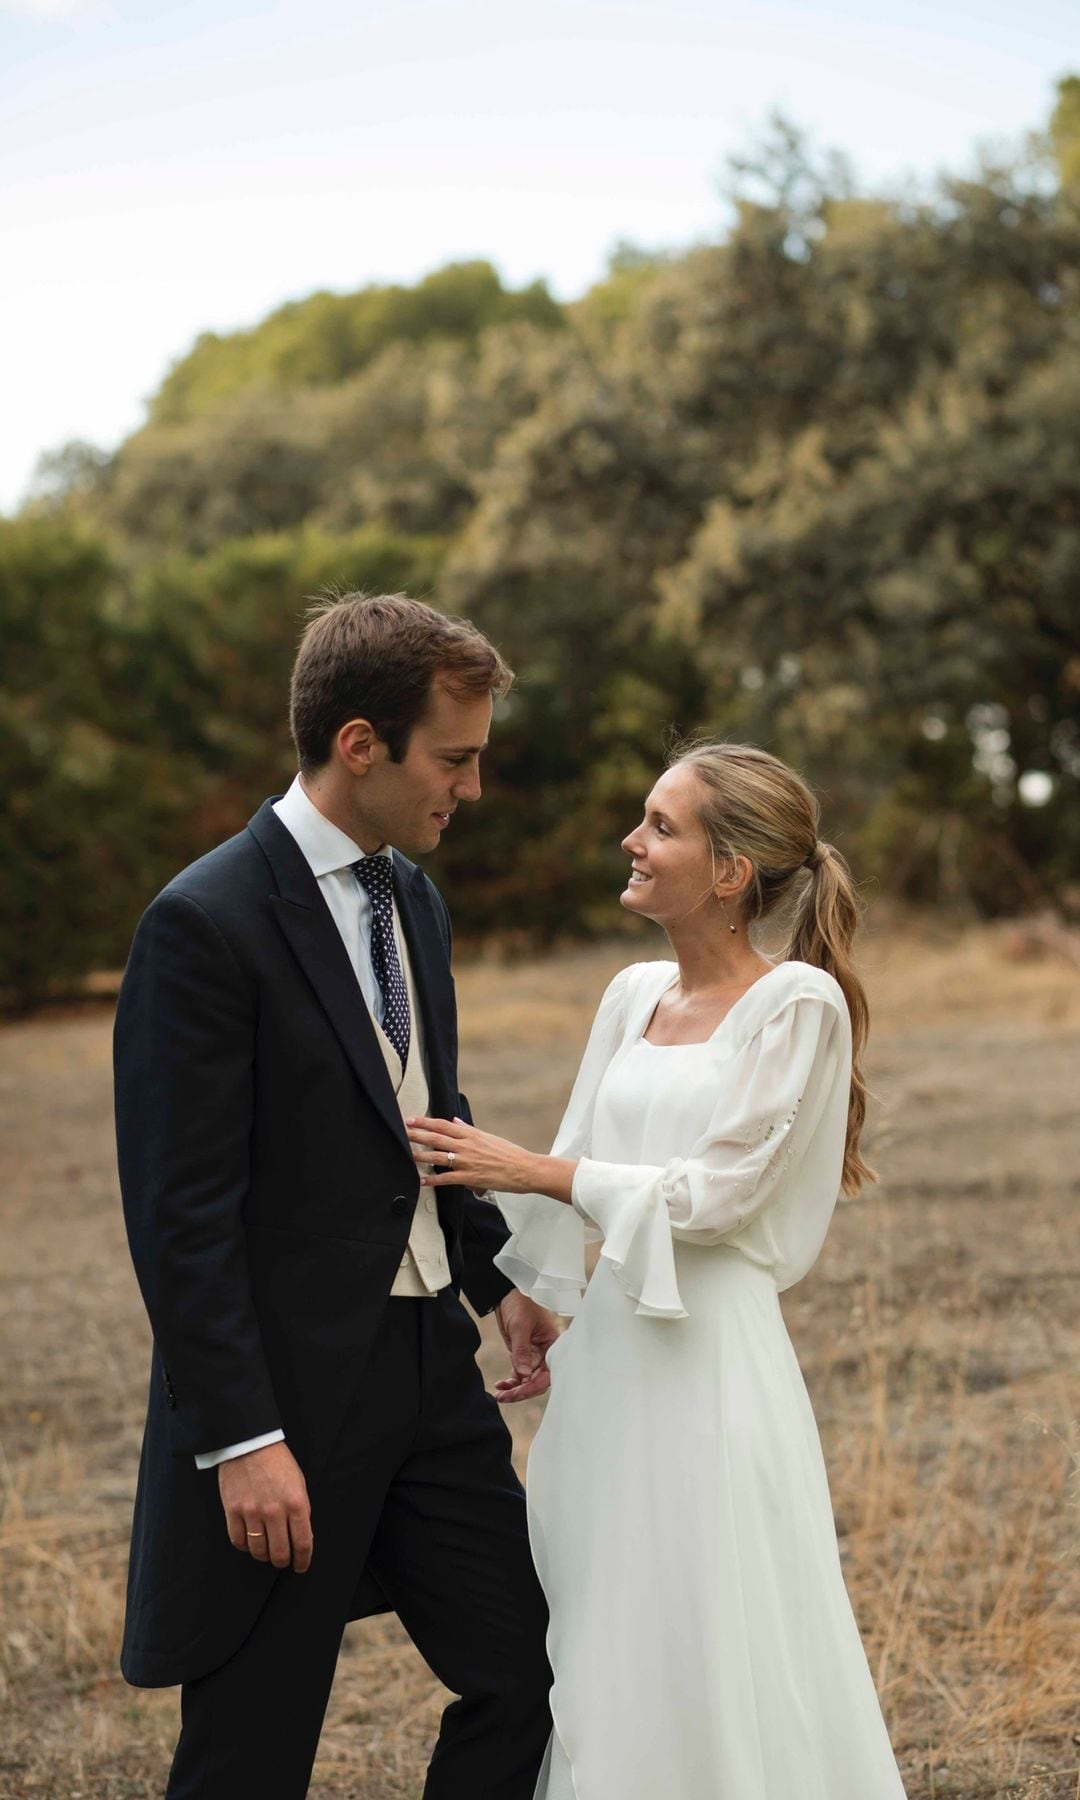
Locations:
375 657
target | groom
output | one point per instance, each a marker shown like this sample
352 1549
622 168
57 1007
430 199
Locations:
319 1444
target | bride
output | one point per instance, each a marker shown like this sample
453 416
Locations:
701 1637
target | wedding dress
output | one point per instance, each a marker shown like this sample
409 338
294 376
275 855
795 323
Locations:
701 1636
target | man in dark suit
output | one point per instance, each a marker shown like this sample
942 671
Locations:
318 1441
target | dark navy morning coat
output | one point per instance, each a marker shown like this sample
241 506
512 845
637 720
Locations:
268 1191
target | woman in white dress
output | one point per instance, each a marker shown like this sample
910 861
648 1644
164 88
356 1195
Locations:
701 1637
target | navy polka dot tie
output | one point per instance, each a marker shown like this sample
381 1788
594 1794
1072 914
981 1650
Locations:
376 877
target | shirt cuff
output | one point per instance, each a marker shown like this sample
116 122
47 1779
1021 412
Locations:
209 1459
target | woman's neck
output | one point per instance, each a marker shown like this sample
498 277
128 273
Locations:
714 960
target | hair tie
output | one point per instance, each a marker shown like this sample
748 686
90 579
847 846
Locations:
816 856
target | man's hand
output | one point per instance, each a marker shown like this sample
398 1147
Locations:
528 1331
267 1508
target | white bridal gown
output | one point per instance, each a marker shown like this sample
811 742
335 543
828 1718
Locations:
701 1636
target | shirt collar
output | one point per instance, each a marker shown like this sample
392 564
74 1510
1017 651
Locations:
324 846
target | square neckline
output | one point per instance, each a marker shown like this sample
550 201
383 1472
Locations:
699 1043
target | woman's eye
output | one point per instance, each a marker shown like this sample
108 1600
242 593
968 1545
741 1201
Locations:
662 829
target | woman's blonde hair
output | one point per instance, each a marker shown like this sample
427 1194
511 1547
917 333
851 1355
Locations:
755 806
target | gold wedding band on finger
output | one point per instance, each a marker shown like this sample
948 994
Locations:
255 1534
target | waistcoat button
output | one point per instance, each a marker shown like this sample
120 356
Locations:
400 1204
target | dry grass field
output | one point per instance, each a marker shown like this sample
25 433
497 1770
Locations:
939 1334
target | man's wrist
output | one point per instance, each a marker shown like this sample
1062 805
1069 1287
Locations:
212 1459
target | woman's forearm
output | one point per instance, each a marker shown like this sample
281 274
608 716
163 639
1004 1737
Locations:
451 1153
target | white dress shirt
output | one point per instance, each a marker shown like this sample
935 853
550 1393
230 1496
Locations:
330 854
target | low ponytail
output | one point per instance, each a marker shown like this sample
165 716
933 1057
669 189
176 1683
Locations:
826 918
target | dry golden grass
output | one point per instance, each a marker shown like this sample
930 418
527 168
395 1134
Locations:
938 1333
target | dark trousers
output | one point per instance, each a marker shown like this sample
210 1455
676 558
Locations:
421 1491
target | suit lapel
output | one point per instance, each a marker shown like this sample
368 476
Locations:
314 939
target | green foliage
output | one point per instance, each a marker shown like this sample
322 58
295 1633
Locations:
69 835
948 569
1065 131
404 443
142 710
631 270
328 337
814 484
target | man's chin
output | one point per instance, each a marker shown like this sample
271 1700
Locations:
421 845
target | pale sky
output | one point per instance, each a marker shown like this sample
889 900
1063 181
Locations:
173 168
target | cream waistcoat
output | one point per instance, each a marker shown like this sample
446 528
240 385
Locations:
424 1267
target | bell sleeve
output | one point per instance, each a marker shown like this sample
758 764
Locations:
771 1095
545 1255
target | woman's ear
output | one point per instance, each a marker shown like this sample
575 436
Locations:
733 879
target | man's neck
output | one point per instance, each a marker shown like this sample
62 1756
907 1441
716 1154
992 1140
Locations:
325 801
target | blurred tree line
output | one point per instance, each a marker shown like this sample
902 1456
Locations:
816 485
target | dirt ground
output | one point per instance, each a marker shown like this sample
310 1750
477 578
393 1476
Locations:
939 1334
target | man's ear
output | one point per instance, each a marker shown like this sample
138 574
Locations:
359 746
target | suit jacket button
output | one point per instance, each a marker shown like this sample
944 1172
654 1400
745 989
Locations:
171 1401
400 1204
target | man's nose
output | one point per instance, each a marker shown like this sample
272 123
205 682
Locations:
468 787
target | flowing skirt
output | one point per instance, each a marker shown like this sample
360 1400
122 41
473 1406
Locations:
701 1635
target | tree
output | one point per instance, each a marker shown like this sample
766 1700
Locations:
914 628
328 337
1065 131
143 717
813 484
